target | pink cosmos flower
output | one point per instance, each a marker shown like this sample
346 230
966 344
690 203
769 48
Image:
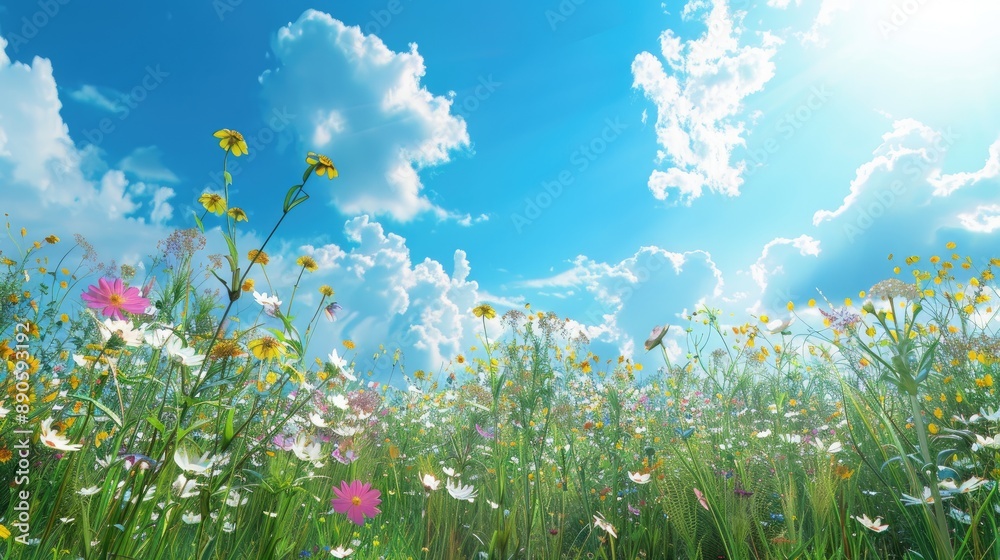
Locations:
357 500
112 297
701 498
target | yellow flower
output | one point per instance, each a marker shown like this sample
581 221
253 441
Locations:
324 166
260 257
349 344
213 203
267 348
52 240
4 532
950 245
326 290
271 377
308 263
484 310
790 306
248 285
232 141
237 214
812 303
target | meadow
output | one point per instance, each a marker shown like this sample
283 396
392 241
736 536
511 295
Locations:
141 417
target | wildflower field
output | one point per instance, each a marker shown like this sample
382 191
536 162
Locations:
145 417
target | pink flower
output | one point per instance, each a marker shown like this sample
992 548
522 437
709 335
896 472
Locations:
113 297
701 498
358 500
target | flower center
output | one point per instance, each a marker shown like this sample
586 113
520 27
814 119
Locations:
356 500
116 300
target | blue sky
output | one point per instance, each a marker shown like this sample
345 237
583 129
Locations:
616 165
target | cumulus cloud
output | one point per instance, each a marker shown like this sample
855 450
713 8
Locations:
423 308
363 105
51 186
616 304
699 101
900 202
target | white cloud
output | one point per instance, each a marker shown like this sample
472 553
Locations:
894 204
363 105
144 162
947 184
617 304
984 219
700 101
782 4
827 9
389 299
94 96
52 187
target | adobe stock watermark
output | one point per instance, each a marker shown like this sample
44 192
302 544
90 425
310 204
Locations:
900 14
788 126
257 142
20 487
580 160
886 197
32 25
484 90
562 12
127 103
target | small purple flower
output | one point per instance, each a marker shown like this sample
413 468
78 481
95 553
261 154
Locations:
345 458
633 510
331 311
841 319
284 442
484 433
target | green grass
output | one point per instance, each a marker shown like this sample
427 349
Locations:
788 436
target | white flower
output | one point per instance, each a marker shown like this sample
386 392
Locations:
340 401
876 525
182 456
3 411
639 478
928 498
185 487
790 438
992 442
157 337
187 356
601 523
341 552
991 416
347 431
764 434
269 303
336 360
53 439
460 492
834 447
776 326
430 483
449 471
307 450
973 483
124 329
88 491
191 518
317 420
